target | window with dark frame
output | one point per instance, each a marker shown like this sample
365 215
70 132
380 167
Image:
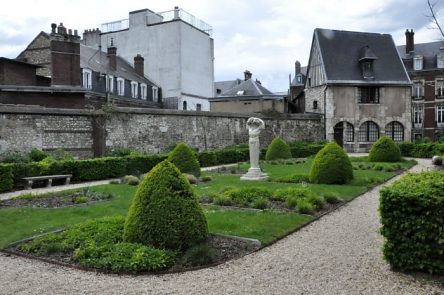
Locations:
368 94
315 105
395 131
349 132
368 132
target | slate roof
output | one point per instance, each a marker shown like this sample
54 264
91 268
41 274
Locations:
341 51
97 61
304 74
427 50
225 85
249 88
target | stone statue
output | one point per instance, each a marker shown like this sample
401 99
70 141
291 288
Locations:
255 126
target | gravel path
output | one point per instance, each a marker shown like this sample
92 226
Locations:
338 254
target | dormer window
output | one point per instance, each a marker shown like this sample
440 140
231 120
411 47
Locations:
366 60
240 92
440 59
134 89
120 86
417 63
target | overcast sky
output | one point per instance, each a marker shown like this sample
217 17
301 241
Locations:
263 36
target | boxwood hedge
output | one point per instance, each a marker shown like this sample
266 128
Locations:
6 181
412 218
278 149
384 150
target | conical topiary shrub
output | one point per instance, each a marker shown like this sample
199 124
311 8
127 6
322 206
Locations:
278 149
185 159
165 212
384 150
331 165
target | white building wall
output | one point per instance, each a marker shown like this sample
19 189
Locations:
192 103
178 57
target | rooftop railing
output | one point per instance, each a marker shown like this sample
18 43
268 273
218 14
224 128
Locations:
160 17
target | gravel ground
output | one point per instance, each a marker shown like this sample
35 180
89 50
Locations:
338 254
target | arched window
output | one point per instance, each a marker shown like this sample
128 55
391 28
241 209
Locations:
349 132
395 131
184 106
368 132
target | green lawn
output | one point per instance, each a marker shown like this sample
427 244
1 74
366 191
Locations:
19 223
266 226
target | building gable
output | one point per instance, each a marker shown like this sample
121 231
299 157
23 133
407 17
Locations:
316 71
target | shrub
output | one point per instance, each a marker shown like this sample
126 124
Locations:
199 255
222 200
331 165
130 180
305 207
123 257
294 178
13 156
165 212
6 178
278 149
81 200
331 197
207 158
260 203
37 155
62 155
244 197
384 150
318 202
412 211
302 149
185 159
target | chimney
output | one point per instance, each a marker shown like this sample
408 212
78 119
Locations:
297 67
409 41
65 56
112 56
138 65
247 75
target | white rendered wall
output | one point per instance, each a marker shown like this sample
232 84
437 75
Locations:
178 57
192 103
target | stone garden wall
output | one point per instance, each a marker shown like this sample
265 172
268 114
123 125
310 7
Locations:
86 133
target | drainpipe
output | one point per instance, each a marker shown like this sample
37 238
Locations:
325 112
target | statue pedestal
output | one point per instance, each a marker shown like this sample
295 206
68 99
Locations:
254 174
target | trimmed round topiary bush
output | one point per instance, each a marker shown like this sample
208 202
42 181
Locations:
165 212
384 150
331 166
185 159
278 149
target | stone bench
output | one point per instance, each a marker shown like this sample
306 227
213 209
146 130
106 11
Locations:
30 180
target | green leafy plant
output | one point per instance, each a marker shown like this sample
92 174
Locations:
199 255
6 178
165 212
185 159
305 207
278 149
191 178
331 197
245 197
206 178
37 155
81 200
331 166
412 211
13 156
384 150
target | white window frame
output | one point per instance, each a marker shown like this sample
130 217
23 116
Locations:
440 115
120 86
110 83
439 87
134 89
417 63
440 60
418 116
155 94
418 92
143 91
87 78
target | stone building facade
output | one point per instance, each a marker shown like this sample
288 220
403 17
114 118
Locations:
358 83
